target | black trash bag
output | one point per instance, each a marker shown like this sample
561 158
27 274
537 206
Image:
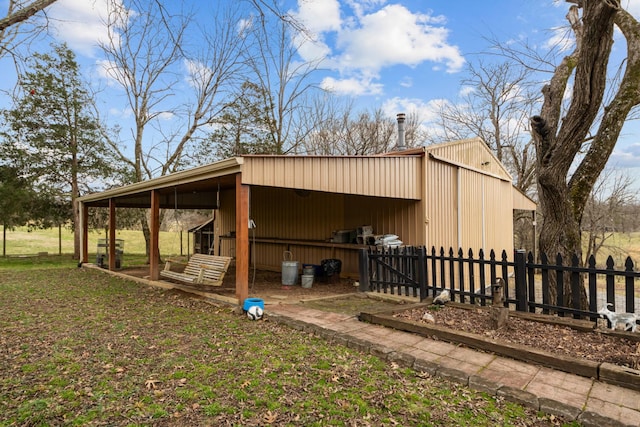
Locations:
331 267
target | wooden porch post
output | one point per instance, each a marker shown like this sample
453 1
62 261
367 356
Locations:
242 240
112 234
154 225
84 233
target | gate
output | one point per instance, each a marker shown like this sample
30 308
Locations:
410 271
395 271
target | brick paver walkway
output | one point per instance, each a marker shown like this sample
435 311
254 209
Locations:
590 402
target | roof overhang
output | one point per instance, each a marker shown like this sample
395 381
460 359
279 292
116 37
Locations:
190 189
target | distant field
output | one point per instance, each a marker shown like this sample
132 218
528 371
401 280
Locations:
23 242
620 246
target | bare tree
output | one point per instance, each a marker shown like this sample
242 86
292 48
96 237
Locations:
343 130
355 133
284 78
495 105
18 12
149 53
606 210
572 145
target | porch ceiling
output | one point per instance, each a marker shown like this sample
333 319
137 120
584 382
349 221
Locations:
191 189
193 195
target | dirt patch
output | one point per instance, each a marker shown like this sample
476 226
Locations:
268 284
353 304
553 338
265 284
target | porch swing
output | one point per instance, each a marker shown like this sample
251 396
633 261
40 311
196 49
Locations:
201 269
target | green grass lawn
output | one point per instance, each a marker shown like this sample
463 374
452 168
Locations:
80 347
21 241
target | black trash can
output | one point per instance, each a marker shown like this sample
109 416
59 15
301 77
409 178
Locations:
102 253
330 269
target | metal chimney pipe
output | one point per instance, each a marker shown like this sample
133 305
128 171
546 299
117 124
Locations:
401 117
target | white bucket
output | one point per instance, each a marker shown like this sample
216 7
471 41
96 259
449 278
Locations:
289 270
307 280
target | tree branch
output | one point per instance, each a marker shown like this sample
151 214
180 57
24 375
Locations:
24 13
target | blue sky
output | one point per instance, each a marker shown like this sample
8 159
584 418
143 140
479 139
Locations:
399 55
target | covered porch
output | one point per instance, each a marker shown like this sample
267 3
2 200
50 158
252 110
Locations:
266 205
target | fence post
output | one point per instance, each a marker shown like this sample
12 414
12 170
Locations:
521 280
629 289
364 270
422 272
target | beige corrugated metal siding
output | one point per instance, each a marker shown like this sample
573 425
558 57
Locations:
468 209
468 206
471 210
521 201
463 205
285 214
395 177
440 204
473 153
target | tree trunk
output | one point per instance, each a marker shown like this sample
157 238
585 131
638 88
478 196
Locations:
560 134
146 231
76 229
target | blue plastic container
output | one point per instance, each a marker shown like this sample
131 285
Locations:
250 302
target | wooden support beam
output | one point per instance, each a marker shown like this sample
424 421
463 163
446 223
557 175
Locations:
242 240
84 233
154 226
112 234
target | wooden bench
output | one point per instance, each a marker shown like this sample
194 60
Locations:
201 269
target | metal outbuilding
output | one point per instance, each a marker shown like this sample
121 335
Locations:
452 195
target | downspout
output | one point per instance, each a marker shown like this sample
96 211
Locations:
459 208
484 224
82 237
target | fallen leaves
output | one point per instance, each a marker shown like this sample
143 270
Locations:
151 384
142 358
270 417
553 338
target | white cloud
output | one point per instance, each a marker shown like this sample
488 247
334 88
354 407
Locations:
108 71
319 16
80 23
561 39
406 81
626 157
466 91
394 35
197 73
166 115
623 160
425 111
359 7
368 36
352 86
120 114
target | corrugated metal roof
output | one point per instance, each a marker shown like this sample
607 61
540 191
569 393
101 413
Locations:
193 188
